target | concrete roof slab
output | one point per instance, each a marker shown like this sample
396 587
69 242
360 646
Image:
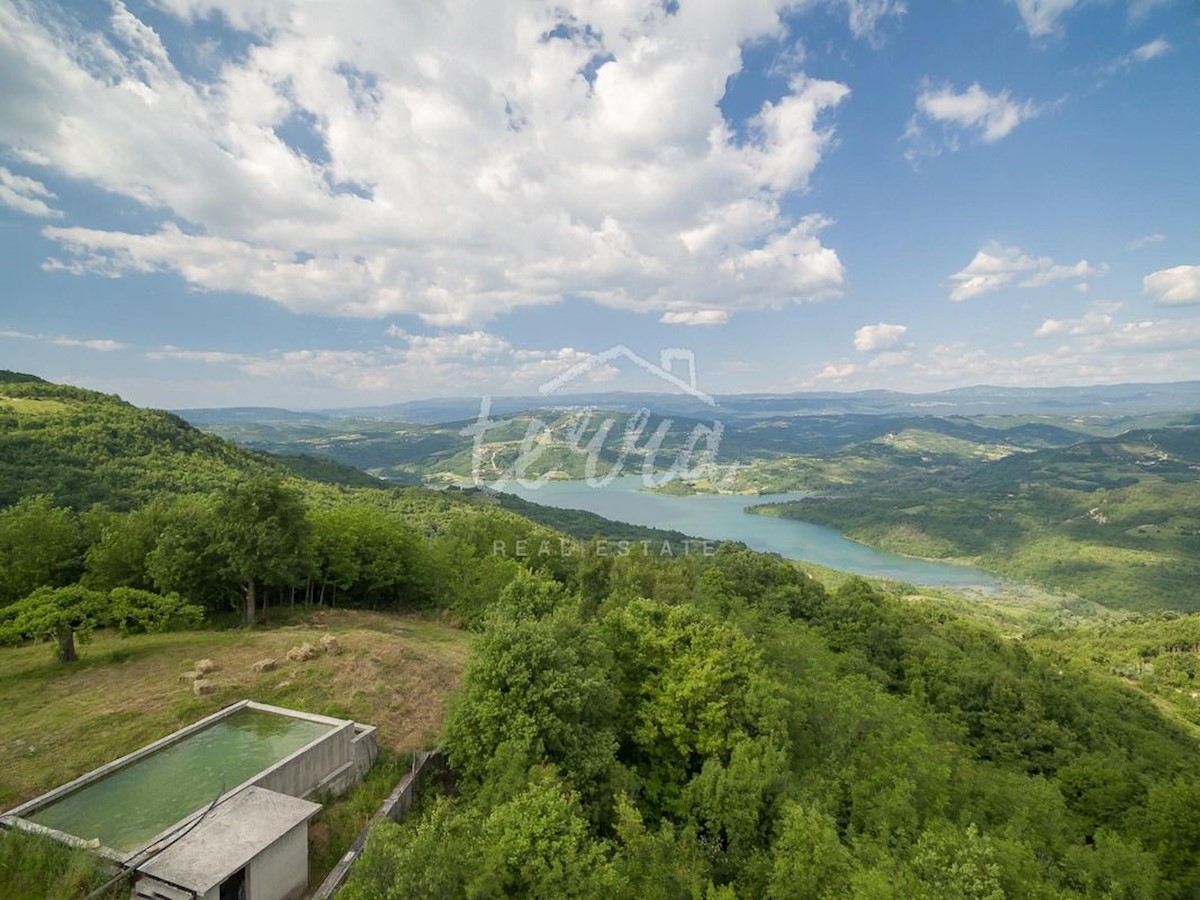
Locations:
235 832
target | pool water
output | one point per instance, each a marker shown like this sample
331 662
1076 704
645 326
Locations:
128 807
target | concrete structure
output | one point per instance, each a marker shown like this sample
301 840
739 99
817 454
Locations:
253 843
254 846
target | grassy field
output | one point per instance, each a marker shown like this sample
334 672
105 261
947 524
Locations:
395 672
31 406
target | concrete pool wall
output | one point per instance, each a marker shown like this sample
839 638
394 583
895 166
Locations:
326 766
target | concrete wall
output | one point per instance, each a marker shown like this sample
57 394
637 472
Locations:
281 871
365 748
302 773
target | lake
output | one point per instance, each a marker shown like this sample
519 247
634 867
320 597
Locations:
723 517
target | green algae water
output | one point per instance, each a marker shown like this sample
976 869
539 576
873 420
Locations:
128 807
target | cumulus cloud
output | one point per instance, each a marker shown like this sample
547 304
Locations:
696 317
445 170
1096 320
890 359
871 338
26 195
952 115
997 266
1153 336
958 363
835 372
1179 286
438 364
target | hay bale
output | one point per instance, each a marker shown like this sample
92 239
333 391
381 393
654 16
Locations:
204 666
202 686
301 652
331 644
189 677
265 665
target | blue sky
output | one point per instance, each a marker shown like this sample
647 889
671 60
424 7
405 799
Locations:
234 202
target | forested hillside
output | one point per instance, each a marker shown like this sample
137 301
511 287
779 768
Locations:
83 447
632 724
1134 547
733 729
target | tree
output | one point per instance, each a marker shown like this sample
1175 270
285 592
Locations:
188 558
133 609
1173 820
72 613
809 861
118 556
692 687
39 545
61 614
951 864
537 845
262 534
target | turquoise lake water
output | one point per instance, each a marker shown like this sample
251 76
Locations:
133 804
723 517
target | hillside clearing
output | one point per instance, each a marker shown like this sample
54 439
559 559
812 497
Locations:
395 672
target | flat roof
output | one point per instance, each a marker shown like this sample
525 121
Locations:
235 832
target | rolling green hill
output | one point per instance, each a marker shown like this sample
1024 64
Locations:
82 447
1115 520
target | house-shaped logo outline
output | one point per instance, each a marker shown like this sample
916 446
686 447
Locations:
667 358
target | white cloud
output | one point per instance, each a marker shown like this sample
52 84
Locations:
974 112
696 317
1164 334
1179 286
1093 348
870 338
1142 54
417 365
835 372
891 359
565 149
26 195
104 345
1146 240
1140 9
1041 17
997 266
1096 320
214 357
1151 50
867 15
959 364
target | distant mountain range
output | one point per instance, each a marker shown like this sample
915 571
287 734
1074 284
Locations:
1108 400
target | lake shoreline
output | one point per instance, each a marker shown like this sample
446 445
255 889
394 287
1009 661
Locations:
722 517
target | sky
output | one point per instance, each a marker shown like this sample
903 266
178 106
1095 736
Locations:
303 204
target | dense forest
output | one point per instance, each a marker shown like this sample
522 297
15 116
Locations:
641 723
